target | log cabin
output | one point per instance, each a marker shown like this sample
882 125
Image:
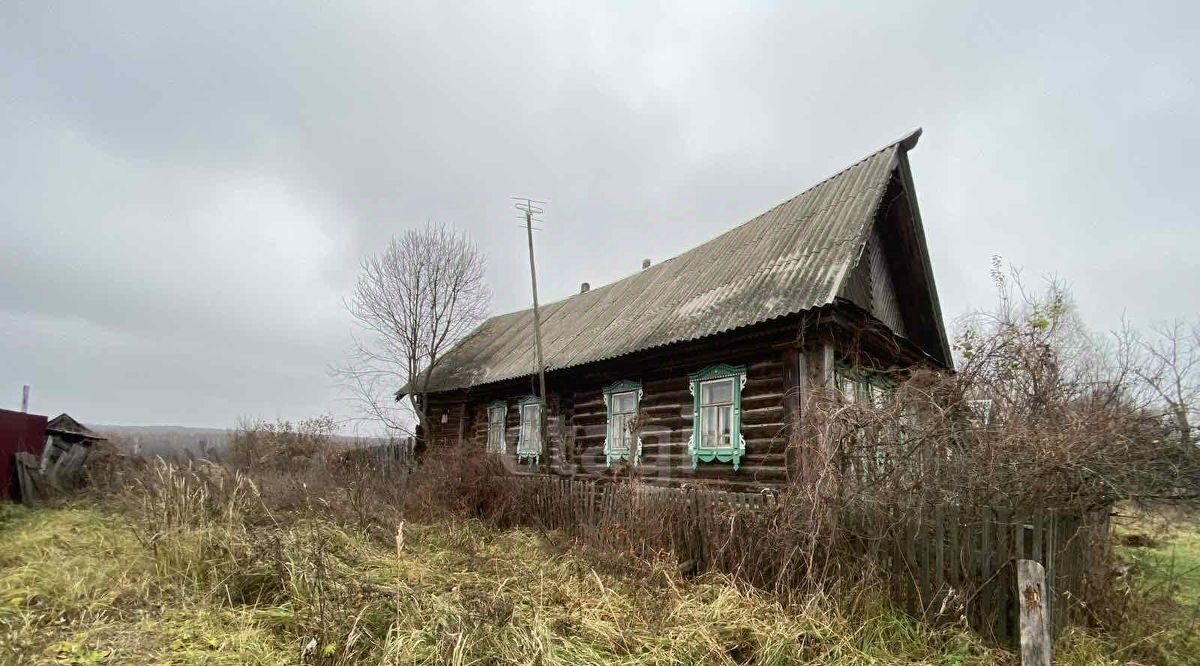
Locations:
694 370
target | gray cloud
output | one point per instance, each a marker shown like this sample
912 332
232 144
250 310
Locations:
186 190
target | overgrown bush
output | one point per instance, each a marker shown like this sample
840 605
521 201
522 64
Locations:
282 444
1040 413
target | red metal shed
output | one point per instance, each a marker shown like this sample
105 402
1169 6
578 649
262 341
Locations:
18 432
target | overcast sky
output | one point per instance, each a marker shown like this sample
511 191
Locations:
185 192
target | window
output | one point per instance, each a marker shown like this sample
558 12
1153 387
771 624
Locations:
497 412
716 408
875 390
529 442
980 415
717 415
863 386
621 442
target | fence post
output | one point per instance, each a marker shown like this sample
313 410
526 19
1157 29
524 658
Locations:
697 530
1031 601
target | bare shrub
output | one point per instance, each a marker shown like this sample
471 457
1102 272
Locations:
282 444
1039 413
298 472
456 480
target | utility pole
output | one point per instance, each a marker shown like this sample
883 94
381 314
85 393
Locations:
530 208
25 398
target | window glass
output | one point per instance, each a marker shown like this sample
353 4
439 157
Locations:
530 432
716 407
624 403
845 385
496 428
717 415
624 408
720 391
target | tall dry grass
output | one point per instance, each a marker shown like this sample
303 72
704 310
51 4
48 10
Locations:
309 581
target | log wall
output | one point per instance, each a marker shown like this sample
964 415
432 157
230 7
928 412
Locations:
782 359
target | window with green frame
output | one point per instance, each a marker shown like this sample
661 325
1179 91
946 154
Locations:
529 441
621 401
497 413
871 388
717 415
863 385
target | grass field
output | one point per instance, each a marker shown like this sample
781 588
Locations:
79 587
1173 562
85 585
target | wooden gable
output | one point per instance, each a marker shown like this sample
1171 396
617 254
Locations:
892 278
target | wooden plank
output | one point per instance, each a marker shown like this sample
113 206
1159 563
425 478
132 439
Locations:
957 560
1039 525
896 538
1001 586
1066 564
693 527
923 566
986 570
591 503
1051 546
564 502
916 603
939 543
1031 601
1019 521
1079 540
573 506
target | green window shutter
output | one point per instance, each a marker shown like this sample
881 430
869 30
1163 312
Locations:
621 445
720 449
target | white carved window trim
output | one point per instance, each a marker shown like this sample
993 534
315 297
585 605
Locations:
496 427
529 441
632 451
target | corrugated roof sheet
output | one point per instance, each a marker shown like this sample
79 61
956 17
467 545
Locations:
791 258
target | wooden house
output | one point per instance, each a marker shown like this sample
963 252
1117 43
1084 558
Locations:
694 370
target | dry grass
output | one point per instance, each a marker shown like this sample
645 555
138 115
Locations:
85 585
77 588
205 565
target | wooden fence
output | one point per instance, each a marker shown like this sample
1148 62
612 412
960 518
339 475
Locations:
945 561
958 559
394 453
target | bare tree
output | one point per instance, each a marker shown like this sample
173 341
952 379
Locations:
1165 363
412 302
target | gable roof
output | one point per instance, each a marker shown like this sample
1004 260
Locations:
792 258
63 424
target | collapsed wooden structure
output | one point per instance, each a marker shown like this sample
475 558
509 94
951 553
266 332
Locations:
56 463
